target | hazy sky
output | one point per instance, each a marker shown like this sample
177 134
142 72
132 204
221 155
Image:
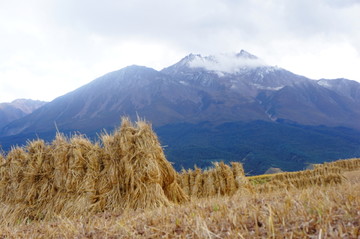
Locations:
50 47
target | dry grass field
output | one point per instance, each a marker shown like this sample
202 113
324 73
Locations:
123 187
315 212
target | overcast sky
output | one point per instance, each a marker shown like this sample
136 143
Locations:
50 47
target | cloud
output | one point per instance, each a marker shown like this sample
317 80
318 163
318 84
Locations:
76 41
225 63
207 27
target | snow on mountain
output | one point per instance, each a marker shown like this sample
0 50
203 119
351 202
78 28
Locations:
324 83
245 54
220 64
261 87
343 87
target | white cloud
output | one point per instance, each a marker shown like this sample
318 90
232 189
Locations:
50 47
225 63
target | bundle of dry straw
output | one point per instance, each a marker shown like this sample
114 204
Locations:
302 179
344 164
73 177
218 181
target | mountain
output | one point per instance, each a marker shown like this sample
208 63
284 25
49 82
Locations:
343 87
206 108
17 109
129 91
270 93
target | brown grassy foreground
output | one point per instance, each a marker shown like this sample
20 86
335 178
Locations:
123 187
315 212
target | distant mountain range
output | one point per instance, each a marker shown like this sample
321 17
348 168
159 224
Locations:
225 107
17 109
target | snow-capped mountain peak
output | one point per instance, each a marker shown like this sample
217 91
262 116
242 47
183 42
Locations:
221 64
245 54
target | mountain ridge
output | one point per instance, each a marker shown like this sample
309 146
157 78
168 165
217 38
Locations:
186 93
203 96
